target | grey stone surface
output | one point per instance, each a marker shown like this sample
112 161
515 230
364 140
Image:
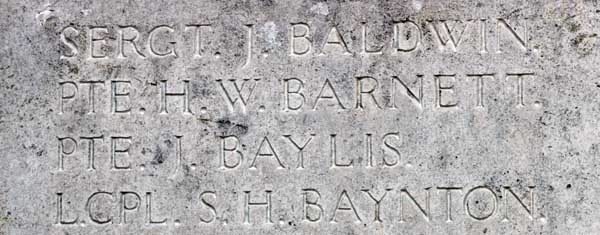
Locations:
299 117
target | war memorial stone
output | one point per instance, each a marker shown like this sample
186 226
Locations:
300 117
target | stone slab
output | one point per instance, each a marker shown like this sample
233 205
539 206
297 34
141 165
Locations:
299 117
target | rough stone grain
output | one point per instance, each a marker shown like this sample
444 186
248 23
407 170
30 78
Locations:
299 117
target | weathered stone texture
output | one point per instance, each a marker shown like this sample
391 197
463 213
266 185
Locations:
299 117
